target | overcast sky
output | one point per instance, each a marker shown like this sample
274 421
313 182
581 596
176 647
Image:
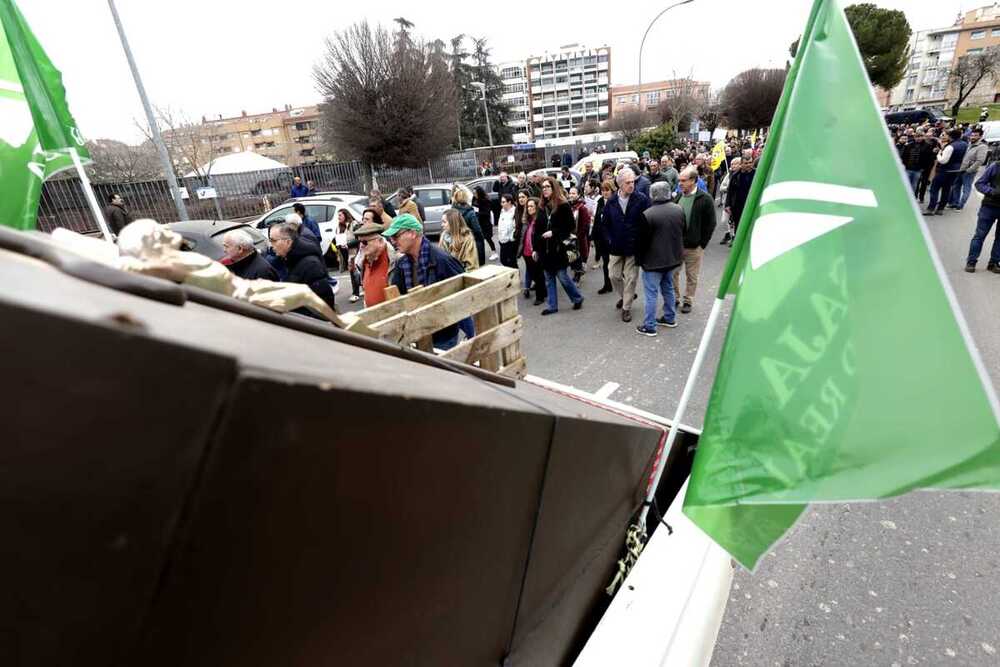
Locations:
210 57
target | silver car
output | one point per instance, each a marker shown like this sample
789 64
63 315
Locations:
436 199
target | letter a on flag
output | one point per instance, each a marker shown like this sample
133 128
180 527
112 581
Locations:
36 128
847 371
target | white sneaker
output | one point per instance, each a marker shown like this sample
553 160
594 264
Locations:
494 257
354 298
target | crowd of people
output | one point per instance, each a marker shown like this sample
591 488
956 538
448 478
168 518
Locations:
941 162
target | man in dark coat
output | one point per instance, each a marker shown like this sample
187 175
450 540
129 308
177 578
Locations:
699 218
304 261
243 259
660 252
298 190
620 226
739 189
422 263
116 214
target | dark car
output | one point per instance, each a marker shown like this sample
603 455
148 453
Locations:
205 236
914 116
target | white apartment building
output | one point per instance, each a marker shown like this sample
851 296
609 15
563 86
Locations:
925 84
553 94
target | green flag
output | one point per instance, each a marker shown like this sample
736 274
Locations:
36 128
847 372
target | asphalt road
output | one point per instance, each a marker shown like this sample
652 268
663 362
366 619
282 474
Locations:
906 582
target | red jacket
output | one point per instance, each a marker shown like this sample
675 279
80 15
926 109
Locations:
582 215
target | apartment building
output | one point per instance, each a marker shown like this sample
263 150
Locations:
289 135
628 97
553 94
980 29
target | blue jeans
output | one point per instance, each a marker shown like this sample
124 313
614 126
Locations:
961 190
571 291
987 216
941 189
652 283
914 177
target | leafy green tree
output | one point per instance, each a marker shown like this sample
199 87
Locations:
657 141
883 36
476 65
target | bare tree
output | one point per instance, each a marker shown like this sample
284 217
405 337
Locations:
750 98
970 70
117 162
630 123
190 146
683 103
386 102
587 127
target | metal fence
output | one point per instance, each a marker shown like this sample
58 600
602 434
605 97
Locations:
237 196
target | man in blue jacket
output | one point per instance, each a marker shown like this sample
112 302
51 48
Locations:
298 190
421 262
621 233
989 212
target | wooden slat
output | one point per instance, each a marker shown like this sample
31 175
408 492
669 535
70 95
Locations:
490 341
508 311
489 317
414 299
516 369
412 326
391 292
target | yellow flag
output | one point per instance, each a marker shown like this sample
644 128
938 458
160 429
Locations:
753 138
718 155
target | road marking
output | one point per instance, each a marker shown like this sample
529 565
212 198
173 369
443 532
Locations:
606 391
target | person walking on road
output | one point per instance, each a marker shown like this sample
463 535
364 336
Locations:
461 202
989 213
602 252
621 232
582 219
928 153
116 214
304 261
910 154
507 231
660 251
533 274
974 158
550 245
739 189
949 166
307 222
699 217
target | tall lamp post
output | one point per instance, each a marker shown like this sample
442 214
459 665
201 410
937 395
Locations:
482 88
643 42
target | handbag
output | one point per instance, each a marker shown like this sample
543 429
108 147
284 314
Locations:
572 248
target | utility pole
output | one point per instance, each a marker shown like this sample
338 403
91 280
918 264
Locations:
643 43
482 88
168 168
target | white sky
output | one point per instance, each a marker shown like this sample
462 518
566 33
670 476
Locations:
210 57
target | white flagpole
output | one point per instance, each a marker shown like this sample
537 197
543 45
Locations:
88 190
699 359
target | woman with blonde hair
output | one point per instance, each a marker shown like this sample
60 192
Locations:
457 239
461 201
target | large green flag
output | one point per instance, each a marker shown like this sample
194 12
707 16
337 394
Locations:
847 372
36 128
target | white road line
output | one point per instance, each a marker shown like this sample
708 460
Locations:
606 391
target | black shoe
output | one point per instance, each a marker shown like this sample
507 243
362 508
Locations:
645 332
605 290
971 267
686 308
626 316
929 211
618 306
527 293
993 268
677 304
662 321
578 305
725 239
577 275
549 312
538 302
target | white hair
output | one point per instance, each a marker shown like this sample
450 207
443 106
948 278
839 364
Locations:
690 172
620 178
293 218
240 239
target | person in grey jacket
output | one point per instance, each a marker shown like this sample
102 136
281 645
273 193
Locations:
974 158
660 252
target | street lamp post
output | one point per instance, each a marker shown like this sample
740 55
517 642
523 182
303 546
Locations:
643 42
482 88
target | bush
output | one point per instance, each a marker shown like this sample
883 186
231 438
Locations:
657 141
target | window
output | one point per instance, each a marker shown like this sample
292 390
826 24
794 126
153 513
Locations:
254 133
547 68
653 97
546 80
431 197
563 108
909 95
562 79
306 152
621 99
320 212
970 52
995 32
602 58
303 126
978 34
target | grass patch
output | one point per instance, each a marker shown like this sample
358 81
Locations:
971 114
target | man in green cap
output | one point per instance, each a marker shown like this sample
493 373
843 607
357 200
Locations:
421 262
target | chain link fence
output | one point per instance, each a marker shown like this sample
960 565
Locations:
236 196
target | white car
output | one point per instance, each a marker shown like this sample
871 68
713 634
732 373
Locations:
598 159
321 209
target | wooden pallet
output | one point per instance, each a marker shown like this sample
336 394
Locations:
488 295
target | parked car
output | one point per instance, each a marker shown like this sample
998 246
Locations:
436 199
556 172
205 236
321 209
598 159
914 116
